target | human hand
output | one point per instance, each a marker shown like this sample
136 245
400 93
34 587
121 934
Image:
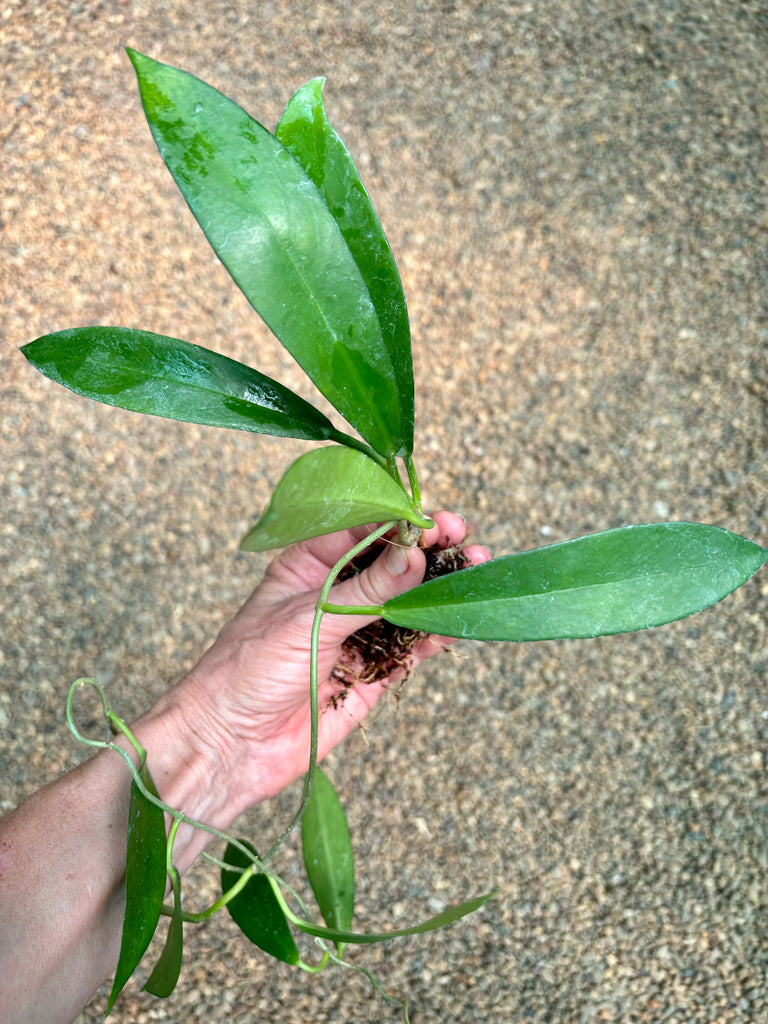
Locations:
247 701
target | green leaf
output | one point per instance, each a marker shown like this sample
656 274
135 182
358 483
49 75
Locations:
150 373
162 980
272 230
144 881
612 582
255 909
327 850
304 129
439 921
329 489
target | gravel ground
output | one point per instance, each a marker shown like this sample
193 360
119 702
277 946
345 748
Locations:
576 195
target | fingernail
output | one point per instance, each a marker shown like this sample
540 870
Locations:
397 560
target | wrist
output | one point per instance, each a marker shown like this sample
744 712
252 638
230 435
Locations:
188 771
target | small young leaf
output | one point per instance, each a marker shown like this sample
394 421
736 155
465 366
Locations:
255 910
612 582
272 230
150 373
329 489
162 980
144 881
305 130
327 850
440 920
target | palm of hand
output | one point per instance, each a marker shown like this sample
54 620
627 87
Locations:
257 673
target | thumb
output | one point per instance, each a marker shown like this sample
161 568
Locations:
396 570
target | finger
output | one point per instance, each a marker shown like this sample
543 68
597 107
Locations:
449 529
333 546
396 570
476 554
306 565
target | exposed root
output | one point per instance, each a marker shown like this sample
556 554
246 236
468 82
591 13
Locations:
381 650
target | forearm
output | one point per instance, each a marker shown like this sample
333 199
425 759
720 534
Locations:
62 857
62 870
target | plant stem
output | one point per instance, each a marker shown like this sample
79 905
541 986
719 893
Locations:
316 968
253 869
413 480
224 899
169 845
392 1000
320 609
407 534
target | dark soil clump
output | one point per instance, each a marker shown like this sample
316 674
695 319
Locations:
380 649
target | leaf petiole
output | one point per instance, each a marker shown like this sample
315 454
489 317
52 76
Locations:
353 442
351 609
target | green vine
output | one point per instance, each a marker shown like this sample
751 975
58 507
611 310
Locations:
320 609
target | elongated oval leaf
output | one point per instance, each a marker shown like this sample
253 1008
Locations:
150 373
328 857
440 920
612 582
255 910
144 881
162 980
272 230
305 130
329 489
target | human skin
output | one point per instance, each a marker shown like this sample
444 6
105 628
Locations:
234 732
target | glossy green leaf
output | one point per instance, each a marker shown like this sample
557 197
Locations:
272 230
438 921
255 910
144 881
612 582
327 850
329 489
162 980
150 373
305 130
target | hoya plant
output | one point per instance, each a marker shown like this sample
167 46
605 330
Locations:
288 216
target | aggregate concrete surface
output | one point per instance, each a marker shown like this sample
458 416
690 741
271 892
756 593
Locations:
575 193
